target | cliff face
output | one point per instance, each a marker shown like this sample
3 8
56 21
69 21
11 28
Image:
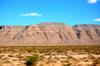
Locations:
49 34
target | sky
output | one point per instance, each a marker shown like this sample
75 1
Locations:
70 12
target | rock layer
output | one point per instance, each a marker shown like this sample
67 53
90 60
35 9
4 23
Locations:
49 34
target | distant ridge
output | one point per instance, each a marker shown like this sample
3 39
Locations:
50 34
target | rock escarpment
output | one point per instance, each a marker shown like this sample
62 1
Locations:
49 34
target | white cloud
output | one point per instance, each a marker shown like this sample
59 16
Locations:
92 1
97 19
31 14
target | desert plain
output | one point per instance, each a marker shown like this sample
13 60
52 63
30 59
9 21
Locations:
50 55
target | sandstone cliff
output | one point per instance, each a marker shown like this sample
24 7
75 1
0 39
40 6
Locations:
49 34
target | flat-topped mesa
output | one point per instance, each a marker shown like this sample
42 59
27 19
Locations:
49 34
52 24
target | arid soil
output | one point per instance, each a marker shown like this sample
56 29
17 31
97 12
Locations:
51 55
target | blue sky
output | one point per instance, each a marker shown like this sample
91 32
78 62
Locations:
71 12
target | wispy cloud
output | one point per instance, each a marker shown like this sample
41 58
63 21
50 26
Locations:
31 14
97 19
92 1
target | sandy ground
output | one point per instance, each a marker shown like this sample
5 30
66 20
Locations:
53 59
51 56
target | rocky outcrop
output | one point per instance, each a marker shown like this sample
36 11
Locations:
88 33
49 34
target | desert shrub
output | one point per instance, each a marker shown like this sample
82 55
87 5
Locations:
97 61
67 64
31 60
